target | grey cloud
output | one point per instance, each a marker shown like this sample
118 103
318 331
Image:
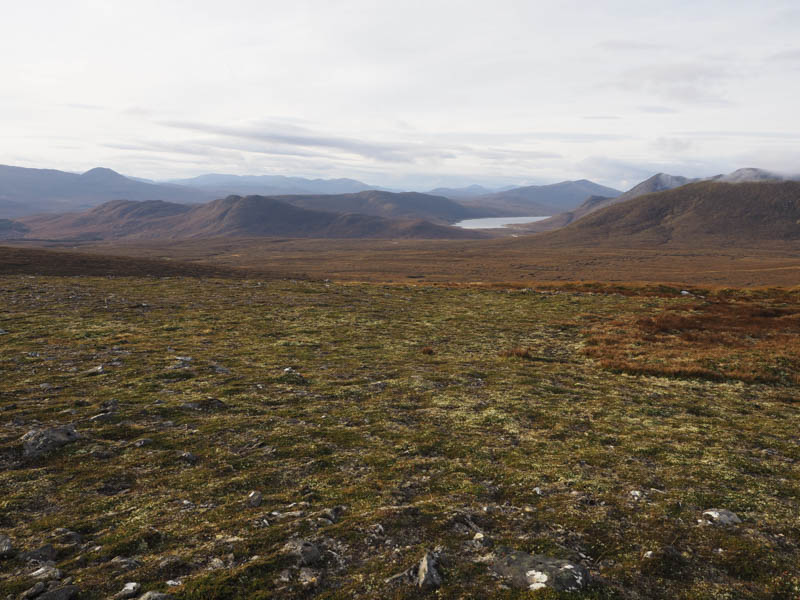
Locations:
304 138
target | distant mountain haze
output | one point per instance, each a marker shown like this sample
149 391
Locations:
26 191
541 200
234 216
272 185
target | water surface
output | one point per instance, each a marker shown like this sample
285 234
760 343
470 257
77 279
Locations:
496 222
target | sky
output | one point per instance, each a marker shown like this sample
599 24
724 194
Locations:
411 94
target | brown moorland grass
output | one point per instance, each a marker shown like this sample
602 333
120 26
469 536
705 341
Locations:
747 338
524 261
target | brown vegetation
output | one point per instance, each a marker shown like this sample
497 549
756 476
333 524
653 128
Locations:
752 339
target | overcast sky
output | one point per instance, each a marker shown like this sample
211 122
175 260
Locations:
402 93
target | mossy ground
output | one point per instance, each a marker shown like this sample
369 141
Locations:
412 409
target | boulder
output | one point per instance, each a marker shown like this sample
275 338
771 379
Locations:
721 516
68 592
535 571
129 590
6 546
40 441
427 573
303 551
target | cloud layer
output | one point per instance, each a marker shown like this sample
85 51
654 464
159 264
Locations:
405 94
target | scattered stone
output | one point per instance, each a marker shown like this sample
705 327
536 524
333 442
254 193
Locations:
721 516
125 564
93 371
427 574
173 582
303 551
424 574
47 573
142 443
129 590
37 589
636 495
220 370
308 577
206 405
188 457
333 514
63 593
6 546
40 441
254 499
3 332
43 554
534 572
66 536
156 596
110 405
216 563
102 417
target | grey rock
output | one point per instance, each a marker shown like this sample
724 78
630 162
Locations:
102 418
254 499
333 514
188 457
303 551
142 443
6 546
67 536
63 593
216 563
534 572
41 441
129 590
124 563
34 591
721 516
156 596
47 573
42 554
427 573
308 577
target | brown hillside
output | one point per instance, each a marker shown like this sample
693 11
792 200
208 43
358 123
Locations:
706 214
234 216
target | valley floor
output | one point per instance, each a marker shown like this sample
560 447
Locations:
378 422
529 259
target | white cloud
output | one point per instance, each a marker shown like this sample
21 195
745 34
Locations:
413 91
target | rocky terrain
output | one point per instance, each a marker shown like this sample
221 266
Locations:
188 437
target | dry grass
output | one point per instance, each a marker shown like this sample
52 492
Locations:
752 339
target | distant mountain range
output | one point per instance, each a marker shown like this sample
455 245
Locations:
29 191
234 216
271 185
541 200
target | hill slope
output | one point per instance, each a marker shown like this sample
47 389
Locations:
698 214
404 205
234 216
